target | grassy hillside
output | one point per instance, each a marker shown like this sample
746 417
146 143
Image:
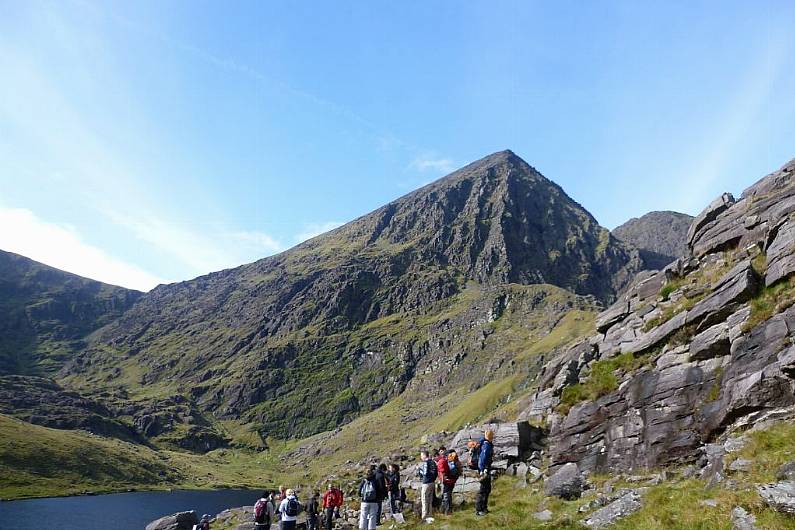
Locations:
38 461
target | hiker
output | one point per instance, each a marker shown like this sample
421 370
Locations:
289 509
332 501
382 489
312 511
443 470
453 470
427 472
393 489
264 511
204 524
368 491
486 447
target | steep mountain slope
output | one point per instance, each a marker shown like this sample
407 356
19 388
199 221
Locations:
45 314
307 339
661 237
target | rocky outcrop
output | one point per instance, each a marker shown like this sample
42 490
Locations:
625 505
177 521
705 370
779 496
566 483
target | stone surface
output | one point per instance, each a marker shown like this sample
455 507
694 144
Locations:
566 483
712 342
781 254
660 236
786 471
625 505
740 465
742 520
177 521
735 288
544 515
779 496
709 214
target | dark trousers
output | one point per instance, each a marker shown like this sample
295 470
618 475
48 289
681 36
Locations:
311 521
482 501
287 525
328 518
394 503
378 512
447 498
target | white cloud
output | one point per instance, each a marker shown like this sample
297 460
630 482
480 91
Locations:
61 247
436 165
258 242
315 229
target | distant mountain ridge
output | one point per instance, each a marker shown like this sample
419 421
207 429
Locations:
661 237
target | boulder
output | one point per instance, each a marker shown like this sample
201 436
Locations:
544 516
614 314
779 496
740 465
177 521
735 288
511 440
786 472
566 483
625 505
712 342
742 520
709 214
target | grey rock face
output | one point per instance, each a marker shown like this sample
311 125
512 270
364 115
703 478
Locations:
178 521
709 214
712 342
566 483
625 505
731 291
781 254
779 496
660 236
742 520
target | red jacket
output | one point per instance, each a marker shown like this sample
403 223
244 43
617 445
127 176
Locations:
444 470
332 499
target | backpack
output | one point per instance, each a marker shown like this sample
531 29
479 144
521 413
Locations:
369 493
474 456
261 511
454 471
292 508
430 471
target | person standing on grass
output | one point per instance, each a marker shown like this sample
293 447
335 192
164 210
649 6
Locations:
329 502
484 470
427 473
383 489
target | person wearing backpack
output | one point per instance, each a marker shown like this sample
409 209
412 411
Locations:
484 469
443 469
264 511
368 511
452 472
204 524
393 483
427 473
289 510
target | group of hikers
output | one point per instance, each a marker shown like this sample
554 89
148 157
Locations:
382 484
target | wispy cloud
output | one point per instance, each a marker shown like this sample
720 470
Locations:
315 229
427 163
63 247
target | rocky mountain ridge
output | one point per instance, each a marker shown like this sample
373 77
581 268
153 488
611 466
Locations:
661 237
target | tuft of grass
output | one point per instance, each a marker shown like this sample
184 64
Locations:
769 301
601 381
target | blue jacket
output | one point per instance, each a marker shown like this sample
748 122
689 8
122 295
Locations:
486 455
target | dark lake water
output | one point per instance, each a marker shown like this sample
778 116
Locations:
119 511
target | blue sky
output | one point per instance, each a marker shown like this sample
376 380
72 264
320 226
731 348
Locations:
144 142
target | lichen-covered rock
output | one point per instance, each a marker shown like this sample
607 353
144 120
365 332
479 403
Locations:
786 471
742 520
779 496
625 505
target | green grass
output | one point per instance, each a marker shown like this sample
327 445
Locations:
600 381
769 301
